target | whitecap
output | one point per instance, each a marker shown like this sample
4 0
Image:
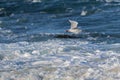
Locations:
36 1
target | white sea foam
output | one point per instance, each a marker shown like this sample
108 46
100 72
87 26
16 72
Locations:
112 0
35 1
83 13
59 59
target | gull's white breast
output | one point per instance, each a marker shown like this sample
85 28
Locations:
75 31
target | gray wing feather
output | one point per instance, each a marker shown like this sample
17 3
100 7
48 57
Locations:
73 24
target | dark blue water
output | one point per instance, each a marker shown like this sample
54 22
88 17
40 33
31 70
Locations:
22 19
32 34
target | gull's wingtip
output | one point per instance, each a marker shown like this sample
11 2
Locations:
72 21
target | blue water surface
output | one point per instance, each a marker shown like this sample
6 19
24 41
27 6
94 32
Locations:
34 43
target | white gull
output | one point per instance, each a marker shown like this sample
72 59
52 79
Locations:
74 29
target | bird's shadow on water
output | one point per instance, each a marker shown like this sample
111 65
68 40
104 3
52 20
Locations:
38 38
44 37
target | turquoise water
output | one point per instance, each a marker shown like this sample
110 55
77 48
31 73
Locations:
34 45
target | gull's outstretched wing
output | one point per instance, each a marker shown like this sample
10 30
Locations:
73 24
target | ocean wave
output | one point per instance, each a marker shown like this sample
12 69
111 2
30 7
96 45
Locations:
35 46
59 57
54 6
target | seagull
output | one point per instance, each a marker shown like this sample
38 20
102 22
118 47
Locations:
74 29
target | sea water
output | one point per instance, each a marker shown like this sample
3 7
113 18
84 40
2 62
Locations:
31 46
